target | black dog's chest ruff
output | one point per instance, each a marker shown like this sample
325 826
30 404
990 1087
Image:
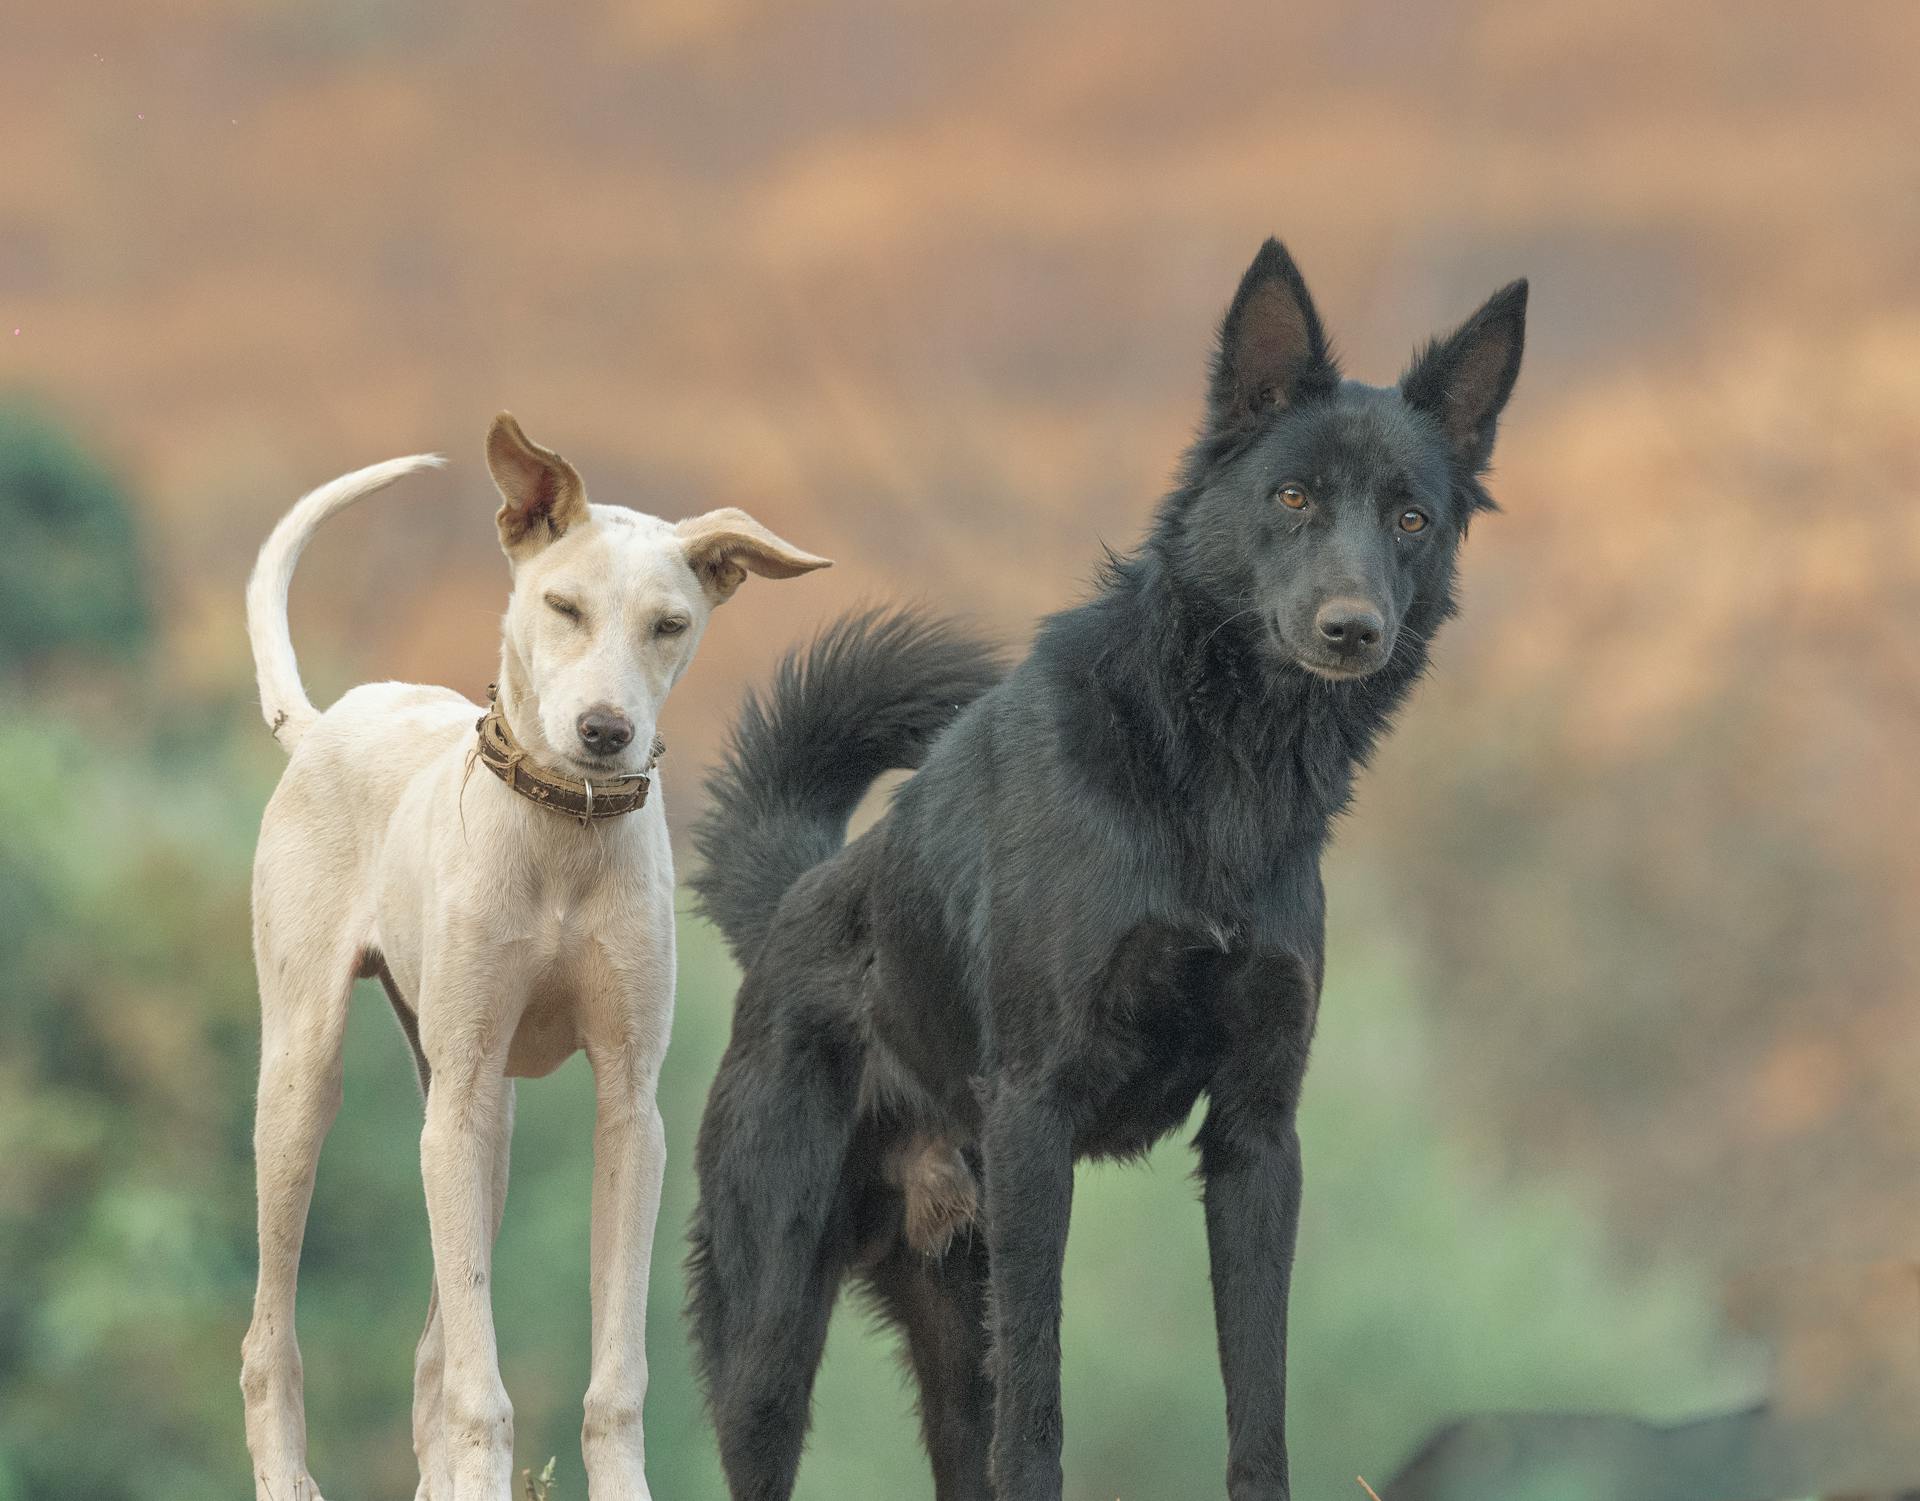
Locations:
1188 1015
1162 1033
1156 1016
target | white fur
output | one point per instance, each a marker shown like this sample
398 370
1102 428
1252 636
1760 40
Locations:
515 936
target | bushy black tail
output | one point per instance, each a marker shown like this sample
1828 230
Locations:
868 696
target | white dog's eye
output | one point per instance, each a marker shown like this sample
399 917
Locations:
564 607
670 625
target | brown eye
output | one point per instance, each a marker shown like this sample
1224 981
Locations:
564 607
672 625
1413 521
1292 497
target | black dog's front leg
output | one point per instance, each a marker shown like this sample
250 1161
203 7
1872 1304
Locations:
1029 1193
1253 1211
1250 1163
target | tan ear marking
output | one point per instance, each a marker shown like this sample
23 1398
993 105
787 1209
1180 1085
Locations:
542 493
724 546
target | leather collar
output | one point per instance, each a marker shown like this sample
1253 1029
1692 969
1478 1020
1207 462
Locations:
572 796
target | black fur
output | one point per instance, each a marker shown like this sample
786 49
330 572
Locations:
1098 899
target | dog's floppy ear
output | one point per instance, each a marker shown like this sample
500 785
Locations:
1273 351
541 493
1463 380
724 546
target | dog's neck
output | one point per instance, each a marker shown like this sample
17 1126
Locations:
520 707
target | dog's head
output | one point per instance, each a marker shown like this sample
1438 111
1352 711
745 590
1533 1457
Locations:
608 603
1329 510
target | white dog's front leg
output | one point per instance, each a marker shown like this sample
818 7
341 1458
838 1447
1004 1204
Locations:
629 1159
429 1410
465 1111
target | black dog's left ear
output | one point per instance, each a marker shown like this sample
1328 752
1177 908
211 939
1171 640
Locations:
1464 380
1272 351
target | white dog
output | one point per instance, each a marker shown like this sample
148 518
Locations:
513 890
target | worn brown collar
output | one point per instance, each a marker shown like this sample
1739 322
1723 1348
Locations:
586 801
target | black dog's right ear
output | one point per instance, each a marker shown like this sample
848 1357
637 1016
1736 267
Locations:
1272 351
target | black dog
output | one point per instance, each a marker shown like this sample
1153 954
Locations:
1097 899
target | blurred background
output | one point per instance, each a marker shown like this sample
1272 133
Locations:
1616 1102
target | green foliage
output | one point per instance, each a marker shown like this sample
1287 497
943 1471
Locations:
70 572
1425 1288
124 1044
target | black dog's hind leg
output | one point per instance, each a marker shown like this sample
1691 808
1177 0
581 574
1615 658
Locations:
1250 1163
1029 1200
940 1304
770 1244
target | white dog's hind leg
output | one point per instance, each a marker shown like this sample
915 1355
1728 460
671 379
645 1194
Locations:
303 1026
429 1411
629 1159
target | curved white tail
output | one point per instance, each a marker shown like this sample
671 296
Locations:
283 701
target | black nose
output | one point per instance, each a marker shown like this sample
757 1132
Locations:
1351 627
603 731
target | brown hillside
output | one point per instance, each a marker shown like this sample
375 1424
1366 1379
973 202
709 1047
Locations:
929 288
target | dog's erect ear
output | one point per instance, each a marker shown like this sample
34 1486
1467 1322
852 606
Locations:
1272 351
1463 381
541 493
724 546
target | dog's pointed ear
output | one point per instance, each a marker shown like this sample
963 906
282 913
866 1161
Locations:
1272 351
724 546
541 493
1463 381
